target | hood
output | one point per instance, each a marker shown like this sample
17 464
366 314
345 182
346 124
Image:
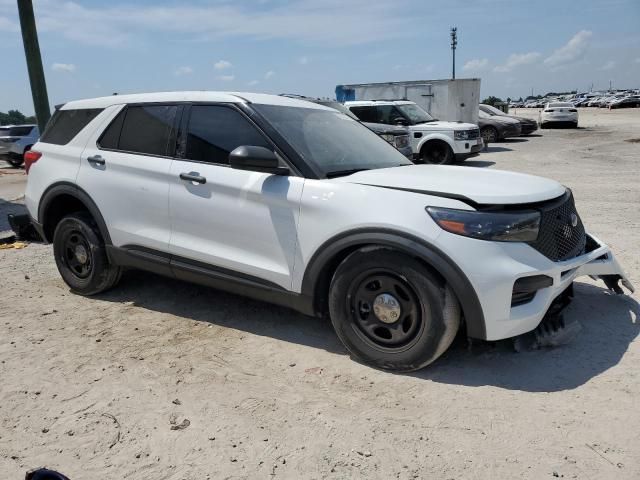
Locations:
482 186
443 125
384 129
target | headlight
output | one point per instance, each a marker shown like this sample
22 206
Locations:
463 134
387 137
402 141
496 226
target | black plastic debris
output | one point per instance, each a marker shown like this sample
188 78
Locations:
22 228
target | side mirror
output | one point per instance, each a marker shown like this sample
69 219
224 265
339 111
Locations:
402 122
256 159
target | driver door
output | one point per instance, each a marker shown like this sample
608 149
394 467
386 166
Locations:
232 222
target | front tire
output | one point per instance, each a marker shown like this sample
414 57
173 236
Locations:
16 160
81 256
390 311
489 135
437 153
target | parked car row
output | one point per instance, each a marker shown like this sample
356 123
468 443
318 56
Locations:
609 99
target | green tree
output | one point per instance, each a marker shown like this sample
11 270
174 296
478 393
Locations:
492 100
14 117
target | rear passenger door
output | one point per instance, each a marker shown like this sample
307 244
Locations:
125 169
234 222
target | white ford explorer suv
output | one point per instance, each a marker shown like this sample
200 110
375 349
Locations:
432 140
300 205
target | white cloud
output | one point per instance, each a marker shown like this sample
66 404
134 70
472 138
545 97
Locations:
475 64
222 65
572 51
226 78
516 59
63 67
303 60
106 24
269 74
253 83
610 65
183 71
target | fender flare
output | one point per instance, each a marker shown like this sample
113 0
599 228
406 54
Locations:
436 136
315 275
68 188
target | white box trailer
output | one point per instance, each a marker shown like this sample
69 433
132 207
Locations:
452 100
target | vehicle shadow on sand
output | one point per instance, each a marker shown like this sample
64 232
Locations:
609 325
477 163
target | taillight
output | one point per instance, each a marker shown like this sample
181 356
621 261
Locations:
30 157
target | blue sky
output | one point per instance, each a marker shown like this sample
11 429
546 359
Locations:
93 48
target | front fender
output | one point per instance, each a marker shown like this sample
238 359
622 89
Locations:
435 136
320 269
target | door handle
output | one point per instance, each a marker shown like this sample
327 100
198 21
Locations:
192 177
96 160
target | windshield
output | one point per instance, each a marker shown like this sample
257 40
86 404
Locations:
483 114
491 110
333 142
414 113
340 107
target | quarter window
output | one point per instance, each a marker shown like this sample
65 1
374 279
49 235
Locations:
64 125
214 131
366 114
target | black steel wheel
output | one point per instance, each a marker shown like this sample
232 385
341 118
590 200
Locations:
390 311
77 257
385 308
81 255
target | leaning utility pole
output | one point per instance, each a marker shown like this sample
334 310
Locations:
454 44
34 62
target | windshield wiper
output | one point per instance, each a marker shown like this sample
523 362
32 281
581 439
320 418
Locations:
342 173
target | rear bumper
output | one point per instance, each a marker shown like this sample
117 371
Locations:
40 229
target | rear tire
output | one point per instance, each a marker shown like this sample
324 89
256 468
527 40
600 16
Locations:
81 256
390 311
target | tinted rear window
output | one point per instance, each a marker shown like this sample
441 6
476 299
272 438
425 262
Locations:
66 124
148 129
20 131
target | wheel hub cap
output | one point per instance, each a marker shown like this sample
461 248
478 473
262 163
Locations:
386 308
81 254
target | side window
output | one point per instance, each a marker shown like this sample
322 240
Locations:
66 124
148 130
389 114
214 131
366 113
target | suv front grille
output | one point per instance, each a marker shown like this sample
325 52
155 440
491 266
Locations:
562 234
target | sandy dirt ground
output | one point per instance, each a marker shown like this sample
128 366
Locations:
159 379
